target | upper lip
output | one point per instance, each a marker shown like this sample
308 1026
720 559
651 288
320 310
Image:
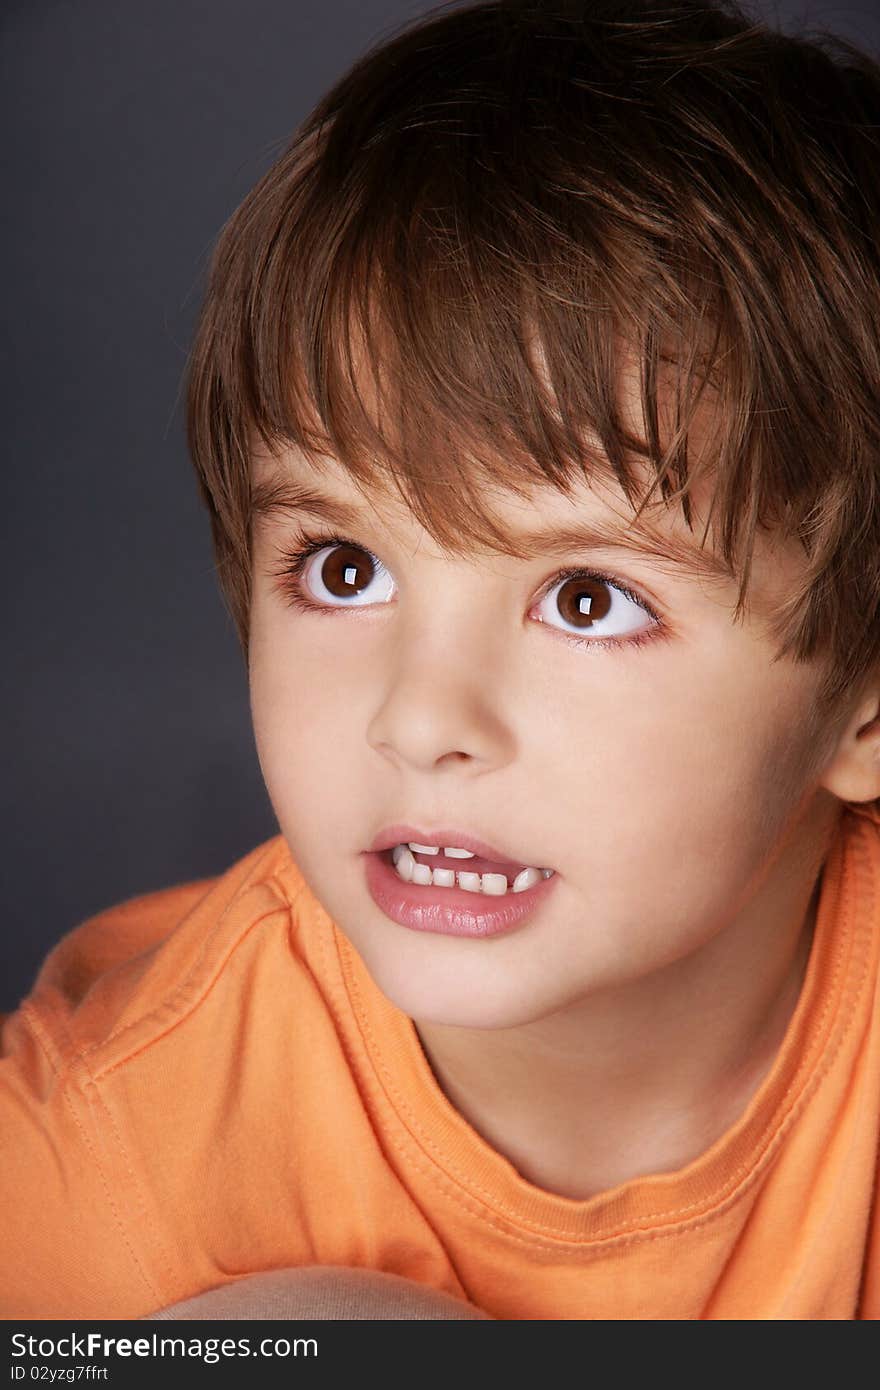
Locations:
460 839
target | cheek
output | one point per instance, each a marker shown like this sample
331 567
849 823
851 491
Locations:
293 710
680 773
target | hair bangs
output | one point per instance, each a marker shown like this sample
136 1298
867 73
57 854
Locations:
447 355
521 246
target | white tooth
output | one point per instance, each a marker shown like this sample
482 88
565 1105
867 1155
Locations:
494 884
404 863
458 853
423 849
527 878
470 882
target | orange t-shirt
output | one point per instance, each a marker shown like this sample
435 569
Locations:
205 1082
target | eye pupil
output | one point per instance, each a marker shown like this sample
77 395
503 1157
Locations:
346 570
584 601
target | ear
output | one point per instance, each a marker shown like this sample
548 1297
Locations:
853 770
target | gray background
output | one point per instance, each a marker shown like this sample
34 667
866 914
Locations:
132 130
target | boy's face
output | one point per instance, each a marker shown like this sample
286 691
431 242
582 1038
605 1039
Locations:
658 779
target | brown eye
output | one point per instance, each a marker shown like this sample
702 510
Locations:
583 601
346 572
592 606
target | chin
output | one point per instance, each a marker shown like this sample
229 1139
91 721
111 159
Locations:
452 1000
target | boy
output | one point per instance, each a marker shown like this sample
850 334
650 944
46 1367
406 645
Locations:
550 351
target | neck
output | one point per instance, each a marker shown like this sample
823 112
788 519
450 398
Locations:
644 1077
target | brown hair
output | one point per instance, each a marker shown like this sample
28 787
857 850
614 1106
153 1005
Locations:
488 210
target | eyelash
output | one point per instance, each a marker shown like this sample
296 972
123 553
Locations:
305 544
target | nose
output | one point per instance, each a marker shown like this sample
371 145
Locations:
445 699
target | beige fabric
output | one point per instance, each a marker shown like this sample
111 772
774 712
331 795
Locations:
321 1291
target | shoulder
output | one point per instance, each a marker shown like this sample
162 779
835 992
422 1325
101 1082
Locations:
105 1067
107 982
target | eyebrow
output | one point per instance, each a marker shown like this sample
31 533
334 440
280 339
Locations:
275 496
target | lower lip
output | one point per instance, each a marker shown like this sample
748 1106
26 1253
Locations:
449 911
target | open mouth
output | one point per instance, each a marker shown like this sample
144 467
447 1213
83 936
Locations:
483 899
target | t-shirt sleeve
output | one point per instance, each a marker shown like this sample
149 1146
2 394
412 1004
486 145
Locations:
64 1247
69 1207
